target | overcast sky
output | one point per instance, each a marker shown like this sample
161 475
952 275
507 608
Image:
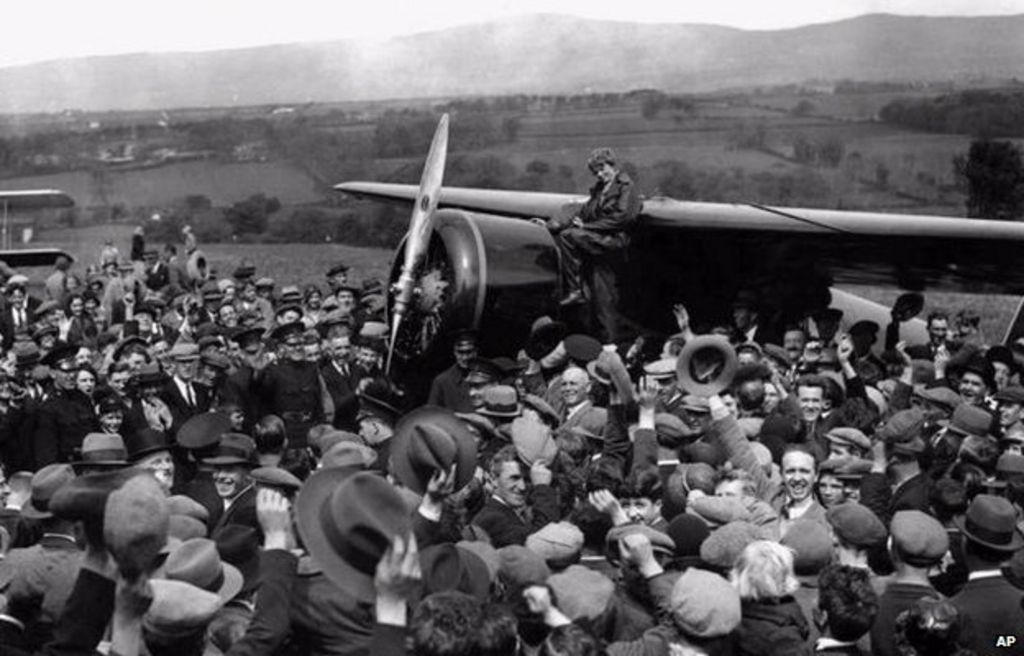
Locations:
37 30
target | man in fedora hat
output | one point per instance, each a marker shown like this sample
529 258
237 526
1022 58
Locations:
183 397
42 576
449 388
234 460
993 604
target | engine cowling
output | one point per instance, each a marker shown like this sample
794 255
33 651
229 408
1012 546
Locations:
484 272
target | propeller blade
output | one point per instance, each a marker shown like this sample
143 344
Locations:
420 226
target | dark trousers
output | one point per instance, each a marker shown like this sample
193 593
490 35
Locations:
588 265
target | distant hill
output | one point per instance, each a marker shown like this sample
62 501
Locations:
534 54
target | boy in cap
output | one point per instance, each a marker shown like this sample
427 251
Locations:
917 543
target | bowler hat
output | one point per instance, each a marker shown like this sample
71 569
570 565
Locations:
45 484
347 521
545 335
203 430
144 442
234 449
102 450
428 439
706 365
991 521
198 562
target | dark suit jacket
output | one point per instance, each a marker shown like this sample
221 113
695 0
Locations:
270 622
241 511
343 393
181 411
876 494
7 320
449 390
505 527
994 606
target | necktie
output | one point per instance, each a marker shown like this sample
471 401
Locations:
191 395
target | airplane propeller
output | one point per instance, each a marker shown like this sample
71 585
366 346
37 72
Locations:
420 226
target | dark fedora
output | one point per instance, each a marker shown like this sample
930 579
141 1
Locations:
243 335
381 400
908 306
239 546
234 449
704 374
46 483
102 450
85 497
286 330
431 438
991 521
203 430
447 567
545 335
145 442
347 520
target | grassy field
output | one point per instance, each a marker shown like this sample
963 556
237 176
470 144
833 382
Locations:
304 263
223 183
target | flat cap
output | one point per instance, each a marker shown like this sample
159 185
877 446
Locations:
849 436
556 542
903 431
856 525
1011 394
940 395
276 477
919 539
811 543
582 348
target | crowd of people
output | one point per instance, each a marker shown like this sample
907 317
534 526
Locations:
195 465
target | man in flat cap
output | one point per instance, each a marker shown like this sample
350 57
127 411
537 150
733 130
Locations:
598 233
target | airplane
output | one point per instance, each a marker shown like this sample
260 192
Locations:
31 199
487 267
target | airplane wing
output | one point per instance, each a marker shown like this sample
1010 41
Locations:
28 199
908 251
